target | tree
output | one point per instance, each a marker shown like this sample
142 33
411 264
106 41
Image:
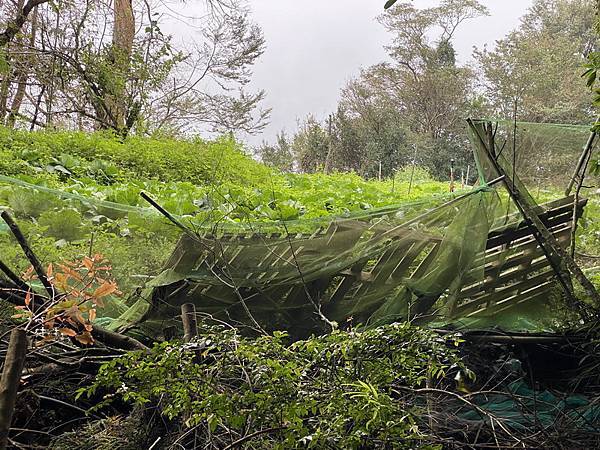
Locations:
415 104
424 82
16 59
278 155
310 146
538 66
369 131
119 62
98 65
15 25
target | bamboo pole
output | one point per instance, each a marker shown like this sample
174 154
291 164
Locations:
582 164
11 377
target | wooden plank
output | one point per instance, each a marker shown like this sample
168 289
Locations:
385 265
525 229
505 277
516 249
532 295
506 291
421 268
346 284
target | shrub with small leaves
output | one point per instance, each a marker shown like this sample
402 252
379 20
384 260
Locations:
348 389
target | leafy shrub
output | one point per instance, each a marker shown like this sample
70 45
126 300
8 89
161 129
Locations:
106 158
65 223
343 390
31 203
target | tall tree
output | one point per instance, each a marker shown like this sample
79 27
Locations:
538 65
278 155
120 61
418 101
424 81
109 65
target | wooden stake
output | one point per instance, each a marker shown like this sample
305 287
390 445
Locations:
581 166
188 316
11 377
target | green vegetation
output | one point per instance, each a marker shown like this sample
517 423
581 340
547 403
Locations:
343 390
382 159
79 192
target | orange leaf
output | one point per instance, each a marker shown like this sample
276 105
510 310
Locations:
92 315
85 338
88 263
68 271
67 332
28 274
28 298
50 270
74 313
105 289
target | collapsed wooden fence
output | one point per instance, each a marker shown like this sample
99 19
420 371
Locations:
515 268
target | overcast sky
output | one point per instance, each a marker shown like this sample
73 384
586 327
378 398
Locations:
315 46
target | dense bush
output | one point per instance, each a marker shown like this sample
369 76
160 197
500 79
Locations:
106 158
344 390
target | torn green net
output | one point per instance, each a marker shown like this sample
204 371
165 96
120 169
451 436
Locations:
408 261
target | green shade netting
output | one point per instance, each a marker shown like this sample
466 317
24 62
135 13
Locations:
375 266
523 408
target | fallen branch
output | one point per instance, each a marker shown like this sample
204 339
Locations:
35 262
117 340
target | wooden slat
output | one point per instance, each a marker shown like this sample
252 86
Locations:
516 250
550 219
538 292
385 266
505 277
346 284
506 291
421 268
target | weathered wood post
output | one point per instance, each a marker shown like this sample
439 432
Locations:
188 316
9 385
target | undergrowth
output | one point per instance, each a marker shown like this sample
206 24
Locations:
346 389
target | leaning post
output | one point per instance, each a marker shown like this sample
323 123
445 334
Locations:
9 384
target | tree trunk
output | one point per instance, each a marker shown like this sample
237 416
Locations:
123 35
22 76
